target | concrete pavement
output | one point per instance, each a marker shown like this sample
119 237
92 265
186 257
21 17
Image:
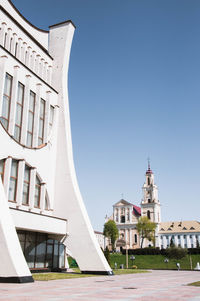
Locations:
154 286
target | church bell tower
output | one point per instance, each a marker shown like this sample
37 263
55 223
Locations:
150 205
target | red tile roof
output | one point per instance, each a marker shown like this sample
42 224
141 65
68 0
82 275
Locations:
136 210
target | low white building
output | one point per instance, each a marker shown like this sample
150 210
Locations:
184 234
39 193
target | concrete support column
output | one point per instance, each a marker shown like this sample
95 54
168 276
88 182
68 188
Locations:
41 69
28 58
9 33
182 241
131 237
126 236
194 240
188 241
176 240
130 214
12 46
36 117
11 125
32 65
47 115
32 188
164 242
125 214
23 53
20 182
169 240
2 33
18 53
7 171
25 110
45 71
3 60
118 215
42 197
49 75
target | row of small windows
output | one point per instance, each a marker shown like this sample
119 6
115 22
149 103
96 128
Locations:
31 114
13 181
29 57
179 236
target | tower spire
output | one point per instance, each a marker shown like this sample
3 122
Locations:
149 167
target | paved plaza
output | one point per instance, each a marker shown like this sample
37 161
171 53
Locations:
157 285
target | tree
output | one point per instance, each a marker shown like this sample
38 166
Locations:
146 229
107 254
110 230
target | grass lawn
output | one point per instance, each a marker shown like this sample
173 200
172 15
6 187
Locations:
195 283
128 271
55 276
77 274
154 261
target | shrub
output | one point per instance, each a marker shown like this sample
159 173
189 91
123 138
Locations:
176 253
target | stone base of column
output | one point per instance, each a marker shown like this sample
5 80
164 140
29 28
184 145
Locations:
108 273
24 279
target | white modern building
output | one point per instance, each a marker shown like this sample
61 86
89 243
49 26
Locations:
42 214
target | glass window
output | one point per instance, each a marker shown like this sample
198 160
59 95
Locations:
13 181
2 168
55 257
31 112
25 197
51 114
19 112
61 256
37 193
40 255
6 101
41 122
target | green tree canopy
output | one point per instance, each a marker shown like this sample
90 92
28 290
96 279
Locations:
110 230
146 229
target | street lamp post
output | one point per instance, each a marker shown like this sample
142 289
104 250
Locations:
132 258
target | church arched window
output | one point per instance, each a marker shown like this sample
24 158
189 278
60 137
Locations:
148 181
148 214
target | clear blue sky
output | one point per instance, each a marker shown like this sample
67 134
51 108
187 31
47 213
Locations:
134 88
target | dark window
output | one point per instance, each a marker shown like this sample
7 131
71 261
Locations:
122 218
135 238
148 214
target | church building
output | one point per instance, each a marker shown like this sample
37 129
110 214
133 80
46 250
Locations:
42 214
185 234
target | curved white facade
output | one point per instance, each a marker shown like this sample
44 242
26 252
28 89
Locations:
36 159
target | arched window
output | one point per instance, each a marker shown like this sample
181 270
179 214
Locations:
148 181
148 214
136 238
